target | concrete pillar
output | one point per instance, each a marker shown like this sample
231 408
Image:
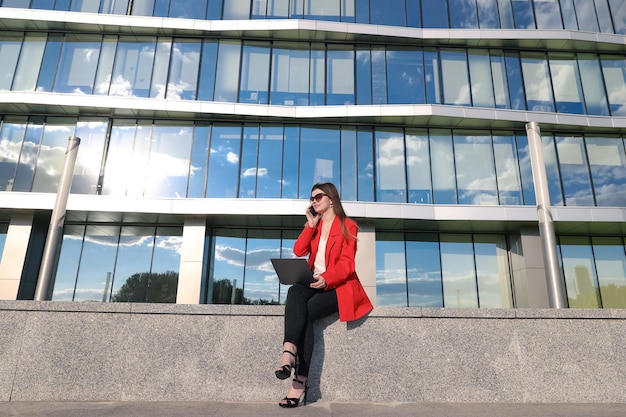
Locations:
15 250
528 267
366 259
193 262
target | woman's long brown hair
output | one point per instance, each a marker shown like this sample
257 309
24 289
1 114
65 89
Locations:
330 190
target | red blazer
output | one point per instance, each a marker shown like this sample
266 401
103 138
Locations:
340 274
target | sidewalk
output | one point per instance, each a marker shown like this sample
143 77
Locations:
317 409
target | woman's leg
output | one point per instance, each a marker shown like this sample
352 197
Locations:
296 313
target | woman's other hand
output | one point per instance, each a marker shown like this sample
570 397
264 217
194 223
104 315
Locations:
319 284
310 218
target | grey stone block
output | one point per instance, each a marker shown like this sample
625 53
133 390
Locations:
11 330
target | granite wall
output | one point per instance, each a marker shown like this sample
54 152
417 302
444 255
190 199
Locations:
61 351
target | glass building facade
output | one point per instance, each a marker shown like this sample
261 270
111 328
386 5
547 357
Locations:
202 134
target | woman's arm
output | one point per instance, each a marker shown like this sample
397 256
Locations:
302 247
341 266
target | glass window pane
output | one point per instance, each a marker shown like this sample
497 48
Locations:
405 73
379 75
480 74
537 82
456 89
596 102
9 51
317 80
168 165
581 283
586 12
363 75
51 155
340 75
119 159
77 67
435 14
614 70
236 10
507 170
131 277
515 82
290 74
463 14
275 8
523 14
28 156
50 62
85 6
488 14
505 11
92 134
365 163
458 272
97 262
476 179
114 6
566 83
291 165
67 267
552 171
249 155
29 62
226 282
224 158
492 271
183 77
607 163
199 161
322 9
418 167
132 72
188 9
163 284
444 177
431 70
569 15
523 155
548 14
206 84
319 157
140 158
500 82
261 246
269 170
390 12
161 65
574 171
618 11
348 164
11 139
255 71
227 75
390 166
391 285
105 66
604 16
423 270
142 7
610 264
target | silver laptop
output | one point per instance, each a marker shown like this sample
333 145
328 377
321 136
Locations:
293 271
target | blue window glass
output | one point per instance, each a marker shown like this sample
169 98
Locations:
319 158
614 70
526 173
476 177
587 18
418 167
291 165
507 170
9 52
105 65
227 71
456 87
161 8
492 271
488 14
317 73
505 10
552 171
118 158
362 11
568 12
463 14
114 7
480 68
568 92
228 267
523 14
340 75
158 83
97 259
85 6
269 170
224 161
261 245
290 74
500 82
363 75
322 9
132 71
142 7
51 60
423 270
443 172
391 283
206 84
52 153
214 10
607 164
405 74
390 166
348 164
574 171
63 5
365 163
132 266
78 64
69 258
278 9
515 82
297 9
184 67
249 153
236 10
610 263
581 281
92 134
389 12
618 11
548 14
12 134
537 82
458 272
255 72
435 14
347 10
18 4
188 9
379 76
604 16
592 81
163 282
413 14
199 160
29 62
433 79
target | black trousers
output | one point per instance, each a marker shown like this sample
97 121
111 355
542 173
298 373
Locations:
303 306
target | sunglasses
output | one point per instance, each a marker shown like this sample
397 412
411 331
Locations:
317 197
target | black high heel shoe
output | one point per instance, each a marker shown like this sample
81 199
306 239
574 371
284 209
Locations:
293 402
285 371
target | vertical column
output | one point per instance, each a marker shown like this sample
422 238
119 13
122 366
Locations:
365 259
14 257
193 264
546 225
55 232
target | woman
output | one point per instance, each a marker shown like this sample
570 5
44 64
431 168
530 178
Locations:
329 238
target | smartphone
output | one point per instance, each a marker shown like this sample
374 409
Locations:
313 212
